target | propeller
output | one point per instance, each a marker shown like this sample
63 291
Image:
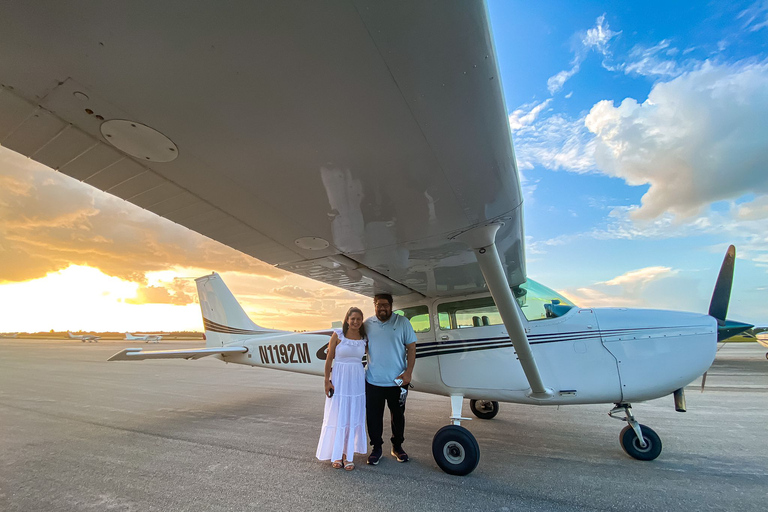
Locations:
718 306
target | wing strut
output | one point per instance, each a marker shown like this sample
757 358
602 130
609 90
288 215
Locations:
483 241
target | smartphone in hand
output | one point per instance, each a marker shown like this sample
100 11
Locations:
330 393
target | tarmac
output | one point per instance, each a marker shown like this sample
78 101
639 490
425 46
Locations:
80 433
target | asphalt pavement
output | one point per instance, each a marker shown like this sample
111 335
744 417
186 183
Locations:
80 433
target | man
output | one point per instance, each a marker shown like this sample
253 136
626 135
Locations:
391 356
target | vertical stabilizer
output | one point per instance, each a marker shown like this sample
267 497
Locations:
224 319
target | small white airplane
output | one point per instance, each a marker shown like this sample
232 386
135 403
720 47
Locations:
148 338
557 353
8 334
360 143
84 337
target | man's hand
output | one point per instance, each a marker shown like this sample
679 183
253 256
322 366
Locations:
406 376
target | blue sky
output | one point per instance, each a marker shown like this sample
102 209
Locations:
640 135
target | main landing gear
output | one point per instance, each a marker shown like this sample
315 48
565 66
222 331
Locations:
638 441
484 409
454 447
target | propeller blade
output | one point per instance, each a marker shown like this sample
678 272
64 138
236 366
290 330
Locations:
718 307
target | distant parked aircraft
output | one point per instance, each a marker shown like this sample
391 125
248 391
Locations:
8 334
84 337
149 338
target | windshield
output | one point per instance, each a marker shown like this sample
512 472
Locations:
532 297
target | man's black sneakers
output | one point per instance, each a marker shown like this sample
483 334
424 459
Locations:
399 454
375 455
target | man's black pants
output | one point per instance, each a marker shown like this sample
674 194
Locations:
375 396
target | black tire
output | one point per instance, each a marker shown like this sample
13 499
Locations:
484 409
455 450
631 444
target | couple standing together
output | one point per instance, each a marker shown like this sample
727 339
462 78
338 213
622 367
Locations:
356 395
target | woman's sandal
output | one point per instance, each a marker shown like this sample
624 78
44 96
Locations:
349 466
336 464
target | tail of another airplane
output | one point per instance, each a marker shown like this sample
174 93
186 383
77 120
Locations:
224 319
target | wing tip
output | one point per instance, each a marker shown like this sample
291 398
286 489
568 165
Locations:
124 355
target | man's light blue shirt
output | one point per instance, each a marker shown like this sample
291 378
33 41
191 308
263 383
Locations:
386 349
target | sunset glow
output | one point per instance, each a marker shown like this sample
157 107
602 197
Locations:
84 298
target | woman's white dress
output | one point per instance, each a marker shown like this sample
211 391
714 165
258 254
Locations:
343 432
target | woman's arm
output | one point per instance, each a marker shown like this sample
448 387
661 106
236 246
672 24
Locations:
329 362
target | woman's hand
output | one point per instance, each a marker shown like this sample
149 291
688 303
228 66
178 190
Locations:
328 387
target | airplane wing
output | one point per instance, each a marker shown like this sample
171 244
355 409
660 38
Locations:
346 141
137 354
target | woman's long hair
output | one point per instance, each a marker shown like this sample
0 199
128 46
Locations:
345 326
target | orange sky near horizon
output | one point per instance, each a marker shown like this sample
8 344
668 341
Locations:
75 258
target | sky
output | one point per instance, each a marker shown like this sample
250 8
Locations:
640 134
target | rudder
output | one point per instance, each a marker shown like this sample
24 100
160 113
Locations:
225 321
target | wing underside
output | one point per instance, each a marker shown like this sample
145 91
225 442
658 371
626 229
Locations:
349 142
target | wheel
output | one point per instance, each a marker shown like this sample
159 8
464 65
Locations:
631 443
484 409
455 450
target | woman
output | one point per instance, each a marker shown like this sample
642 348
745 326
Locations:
343 432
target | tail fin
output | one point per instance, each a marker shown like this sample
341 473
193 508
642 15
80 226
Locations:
224 319
129 336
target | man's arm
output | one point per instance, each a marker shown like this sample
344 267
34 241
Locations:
410 354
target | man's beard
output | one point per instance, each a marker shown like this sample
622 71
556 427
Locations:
383 318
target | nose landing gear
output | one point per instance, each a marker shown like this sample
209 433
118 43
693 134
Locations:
454 447
638 441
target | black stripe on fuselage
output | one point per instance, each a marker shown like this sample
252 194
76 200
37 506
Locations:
212 326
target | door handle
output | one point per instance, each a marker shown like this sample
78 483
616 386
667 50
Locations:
444 338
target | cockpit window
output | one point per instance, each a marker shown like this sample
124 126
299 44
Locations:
418 315
536 300
468 313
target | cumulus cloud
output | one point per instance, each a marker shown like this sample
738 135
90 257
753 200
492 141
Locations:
594 39
697 139
754 210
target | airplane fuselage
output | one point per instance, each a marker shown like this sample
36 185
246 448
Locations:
608 355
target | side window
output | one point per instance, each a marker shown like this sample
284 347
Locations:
418 315
468 313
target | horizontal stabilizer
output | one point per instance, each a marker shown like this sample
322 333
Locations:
137 354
